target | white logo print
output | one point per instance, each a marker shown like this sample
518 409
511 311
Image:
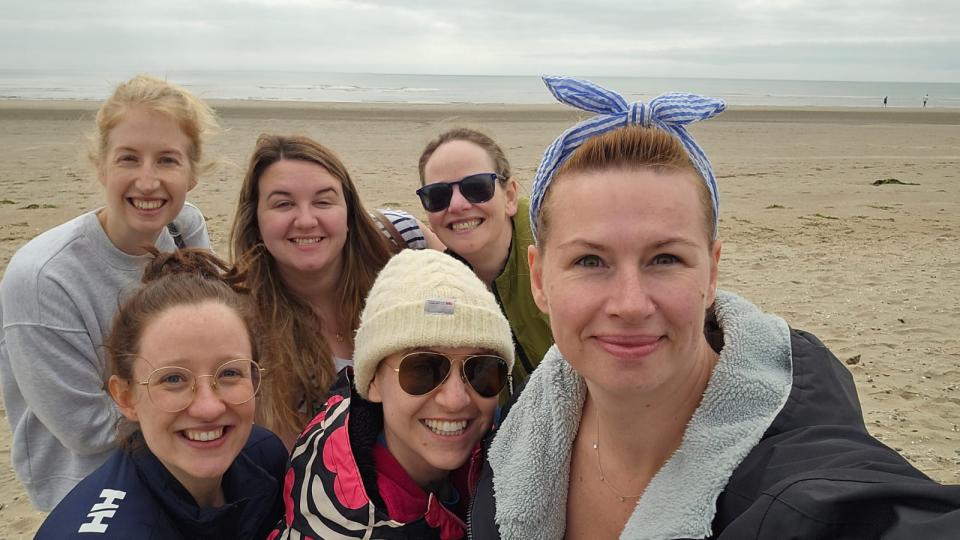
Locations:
102 510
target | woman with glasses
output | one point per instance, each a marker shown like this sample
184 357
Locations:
396 454
472 204
669 408
184 374
60 290
310 251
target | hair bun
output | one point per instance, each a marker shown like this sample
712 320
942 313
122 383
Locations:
192 261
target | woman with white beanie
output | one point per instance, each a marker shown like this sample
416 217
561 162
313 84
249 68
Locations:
396 452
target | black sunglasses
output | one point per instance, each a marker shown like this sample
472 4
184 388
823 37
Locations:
476 188
423 372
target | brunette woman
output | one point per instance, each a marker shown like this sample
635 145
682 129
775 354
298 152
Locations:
311 252
184 373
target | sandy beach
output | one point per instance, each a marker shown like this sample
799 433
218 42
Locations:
874 271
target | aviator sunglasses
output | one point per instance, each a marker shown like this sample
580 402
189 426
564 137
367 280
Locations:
422 372
476 188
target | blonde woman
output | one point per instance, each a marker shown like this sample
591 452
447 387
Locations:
60 290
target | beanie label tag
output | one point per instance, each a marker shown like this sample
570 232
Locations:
438 306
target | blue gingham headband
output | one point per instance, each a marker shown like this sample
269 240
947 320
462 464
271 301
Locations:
668 112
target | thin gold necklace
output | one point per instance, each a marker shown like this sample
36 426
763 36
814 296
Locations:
603 478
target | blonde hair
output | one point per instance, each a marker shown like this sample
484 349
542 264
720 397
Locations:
195 118
630 147
300 361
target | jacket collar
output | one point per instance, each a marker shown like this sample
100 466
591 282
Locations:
532 449
243 476
341 458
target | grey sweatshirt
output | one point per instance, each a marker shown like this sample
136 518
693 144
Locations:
57 300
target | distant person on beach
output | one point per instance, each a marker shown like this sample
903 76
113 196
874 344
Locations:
472 203
60 290
669 408
310 251
395 451
925 98
184 373
884 101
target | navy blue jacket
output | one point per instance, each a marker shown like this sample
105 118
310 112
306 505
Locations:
133 495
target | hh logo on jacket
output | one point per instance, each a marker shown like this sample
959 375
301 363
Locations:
101 511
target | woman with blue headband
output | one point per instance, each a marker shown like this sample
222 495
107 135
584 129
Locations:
669 408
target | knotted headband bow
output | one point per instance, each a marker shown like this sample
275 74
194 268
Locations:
668 112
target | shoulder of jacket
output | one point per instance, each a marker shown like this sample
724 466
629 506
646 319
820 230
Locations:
112 502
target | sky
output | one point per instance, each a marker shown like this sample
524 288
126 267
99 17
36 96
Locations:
877 40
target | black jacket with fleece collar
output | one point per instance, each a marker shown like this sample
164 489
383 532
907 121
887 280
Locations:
777 449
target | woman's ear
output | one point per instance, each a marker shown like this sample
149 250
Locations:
535 262
714 271
124 396
510 191
373 391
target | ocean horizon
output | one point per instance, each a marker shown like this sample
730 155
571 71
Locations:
474 89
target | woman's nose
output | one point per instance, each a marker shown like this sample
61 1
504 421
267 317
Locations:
206 403
453 394
458 203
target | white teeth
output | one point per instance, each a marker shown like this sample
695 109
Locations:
305 241
465 225
445 427
147 205
203 436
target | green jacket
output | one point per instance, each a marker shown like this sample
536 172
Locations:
530 326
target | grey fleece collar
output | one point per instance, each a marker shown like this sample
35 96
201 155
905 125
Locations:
530 455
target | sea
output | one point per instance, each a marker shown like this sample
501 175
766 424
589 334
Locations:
480 89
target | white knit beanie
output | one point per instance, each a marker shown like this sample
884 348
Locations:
425 298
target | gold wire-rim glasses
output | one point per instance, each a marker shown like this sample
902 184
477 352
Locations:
256 372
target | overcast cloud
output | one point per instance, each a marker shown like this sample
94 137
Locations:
778 39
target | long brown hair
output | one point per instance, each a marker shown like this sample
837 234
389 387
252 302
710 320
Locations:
294 350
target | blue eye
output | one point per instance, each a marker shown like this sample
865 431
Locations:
665 258
589 261
231 374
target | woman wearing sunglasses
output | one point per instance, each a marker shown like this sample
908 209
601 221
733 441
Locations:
397 455
472 204
184 373
310 251
669 408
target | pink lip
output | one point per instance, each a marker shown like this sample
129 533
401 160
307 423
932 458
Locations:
629 347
